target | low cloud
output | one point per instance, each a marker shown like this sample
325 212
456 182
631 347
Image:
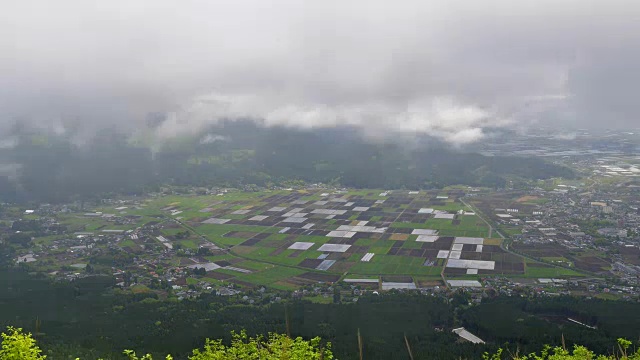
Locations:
10 171
212 138
440 117
449 69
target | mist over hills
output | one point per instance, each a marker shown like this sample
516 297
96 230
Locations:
50 167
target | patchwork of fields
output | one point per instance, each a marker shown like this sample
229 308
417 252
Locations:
287 239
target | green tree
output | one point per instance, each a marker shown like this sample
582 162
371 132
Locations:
89 269
336 295
20 239
276 347
17 345
132 356
578 352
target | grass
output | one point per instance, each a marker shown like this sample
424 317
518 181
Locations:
394 265
319 299
189 244
211 280
48 240
220 257
228 241
555 258
360 276
550 272
608 296
171 232
510 230
137 289
270 276
411 244
228 272
380 247
539 201
127 242
254 265
409 225
366 242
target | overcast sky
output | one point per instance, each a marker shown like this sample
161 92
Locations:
447 68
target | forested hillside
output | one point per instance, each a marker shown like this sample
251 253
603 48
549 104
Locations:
52 168
87 318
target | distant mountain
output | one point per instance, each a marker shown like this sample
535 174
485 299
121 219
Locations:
52 168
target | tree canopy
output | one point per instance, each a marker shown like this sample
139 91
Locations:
19 345
578 352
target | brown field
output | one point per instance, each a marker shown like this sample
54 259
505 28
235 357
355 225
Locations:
399 237
277 251
185 261
426 283
630 255
590 263
294 282
242 283
527 198
240 234
243 250
536 264
397 278
319 277
495 242
542 250
218 276
582 260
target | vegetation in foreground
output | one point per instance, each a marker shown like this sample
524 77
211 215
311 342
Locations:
18 345
578 352
65 324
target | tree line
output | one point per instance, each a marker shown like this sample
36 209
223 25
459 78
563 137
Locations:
89 318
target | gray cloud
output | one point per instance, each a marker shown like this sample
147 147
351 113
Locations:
450 69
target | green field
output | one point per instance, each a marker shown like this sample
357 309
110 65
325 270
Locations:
550 272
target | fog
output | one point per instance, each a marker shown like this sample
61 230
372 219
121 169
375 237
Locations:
448 69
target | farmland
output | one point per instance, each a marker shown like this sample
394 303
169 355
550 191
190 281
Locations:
290 239
286 239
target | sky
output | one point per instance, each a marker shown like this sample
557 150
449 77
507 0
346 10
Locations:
453 69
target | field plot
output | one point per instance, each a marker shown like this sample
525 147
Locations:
580 259
306 237
498 204
539 270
